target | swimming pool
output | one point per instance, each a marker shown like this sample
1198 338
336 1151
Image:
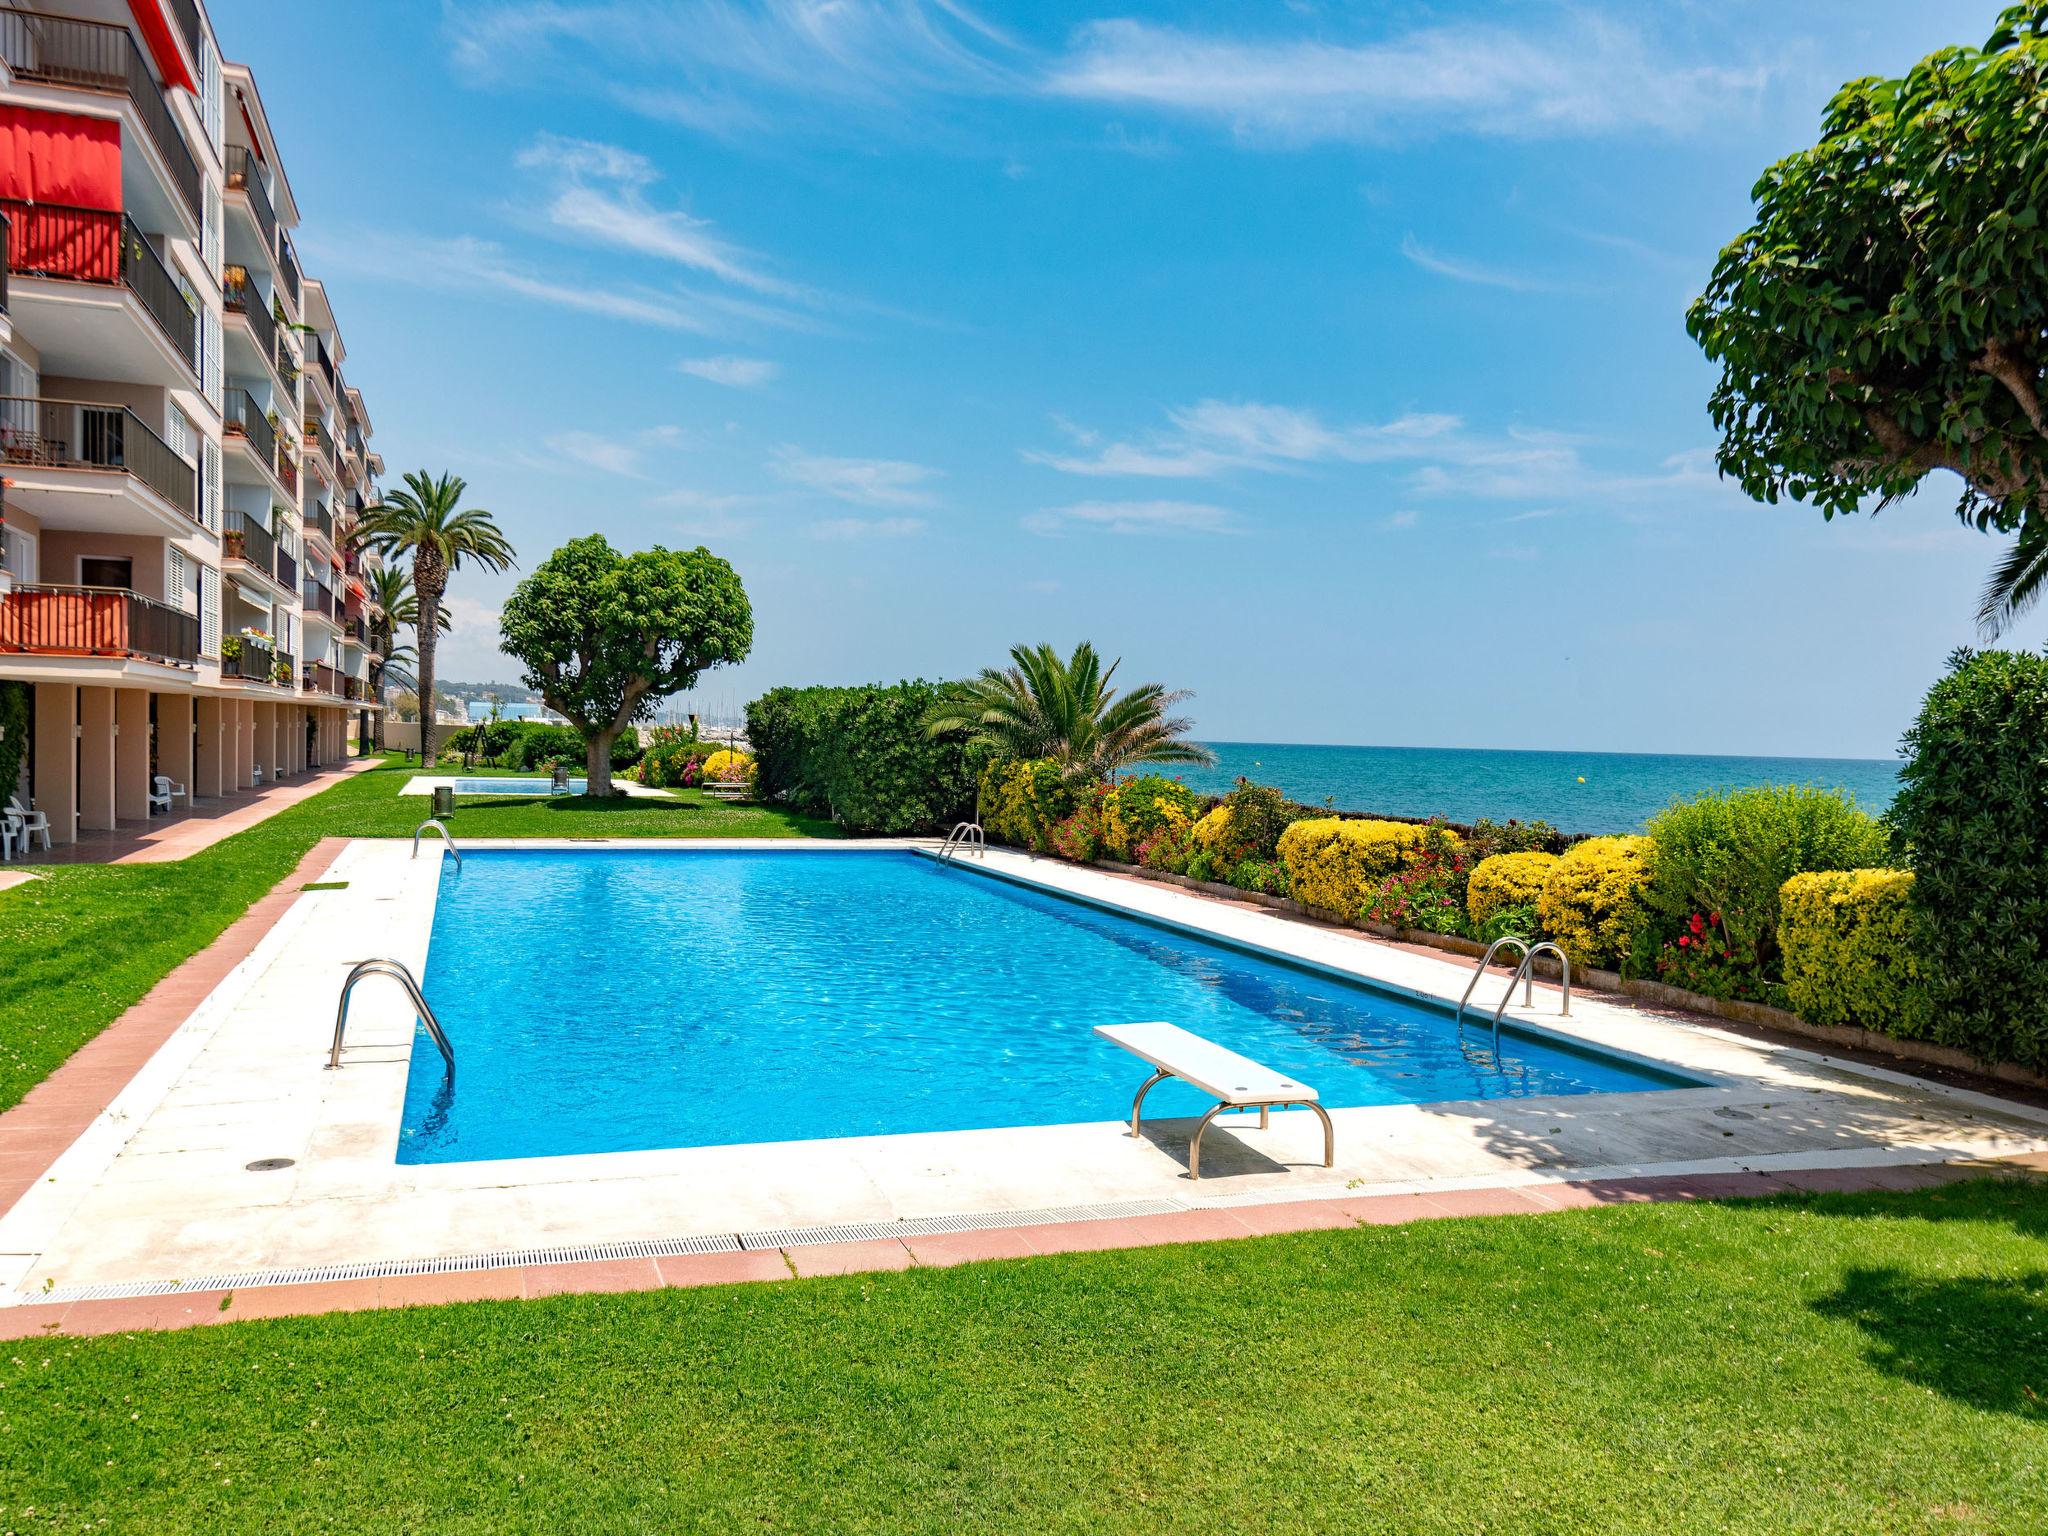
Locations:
620 999
513 786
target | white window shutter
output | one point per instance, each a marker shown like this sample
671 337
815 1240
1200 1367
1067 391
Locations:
209 483
211 231
213 360
174 579
212 100
177 432
209 610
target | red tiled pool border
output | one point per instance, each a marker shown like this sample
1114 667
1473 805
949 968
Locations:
133 1314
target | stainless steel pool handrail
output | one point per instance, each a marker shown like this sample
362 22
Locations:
965 835
442 828
398 973
1522 974
1529 991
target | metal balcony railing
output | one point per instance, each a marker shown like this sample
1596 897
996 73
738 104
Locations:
287 569
288 269
317 599
240 296
245 175
244 417
98 56
321 678
187 13
321 521
287 471
242 539
90 435
326 364
96 621
100 245
252 660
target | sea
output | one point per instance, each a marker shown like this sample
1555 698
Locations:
1573 791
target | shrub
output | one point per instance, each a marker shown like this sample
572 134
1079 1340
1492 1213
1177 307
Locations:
1254 816
1021 802
1427 892
1516 922
1851 957
1592 903
14 726
862 757
1139 809
1489 837
1972 813
534 744
1336 864
1505 880
673 759
728 764
1208 833
1722 859
1269 876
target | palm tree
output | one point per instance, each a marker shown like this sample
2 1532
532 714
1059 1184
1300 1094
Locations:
1041 706
2018 581
423 521
392 607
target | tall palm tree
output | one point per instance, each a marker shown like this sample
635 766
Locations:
2018 581
1041 706
425 521
392 607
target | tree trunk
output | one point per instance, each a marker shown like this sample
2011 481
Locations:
597 762
426 584
377 699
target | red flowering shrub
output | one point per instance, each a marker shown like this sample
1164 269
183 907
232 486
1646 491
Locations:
1712 956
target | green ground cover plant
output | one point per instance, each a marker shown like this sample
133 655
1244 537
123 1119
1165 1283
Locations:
79 944
1832 1364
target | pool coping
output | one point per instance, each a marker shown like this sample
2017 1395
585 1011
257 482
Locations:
816 1247
426 783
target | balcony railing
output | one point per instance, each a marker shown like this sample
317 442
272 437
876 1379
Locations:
321 521
96 621
241 296
288 269
356 690
326 363
321 678
245 175
252 660
99 245
287 471
97 56
6 244
356 445
243 416
287 569
85 434
317 599
187 13
243 540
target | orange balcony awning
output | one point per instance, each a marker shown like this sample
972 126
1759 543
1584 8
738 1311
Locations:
163 44
60 157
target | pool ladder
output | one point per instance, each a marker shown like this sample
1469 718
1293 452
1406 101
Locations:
442 828
1522 975
966 837
404 978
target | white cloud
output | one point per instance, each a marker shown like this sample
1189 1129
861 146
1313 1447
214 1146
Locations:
733 372
1403 519
868 482
1168 517
847 528
1212 436
706 515
1460 270
1587 75
614 455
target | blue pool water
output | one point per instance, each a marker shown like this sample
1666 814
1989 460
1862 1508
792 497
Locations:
513 786
613 1000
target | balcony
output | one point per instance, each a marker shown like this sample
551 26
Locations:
250 660
325 365
84 434
96 621
288 270
187 13
321 521
250 542
104 249
287 471
245 177
97 56
287 570
240 296
245 419
318 600
318 677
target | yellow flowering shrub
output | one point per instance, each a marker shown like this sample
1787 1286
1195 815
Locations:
1139 809
1020 802
1336 864
728 765
1506 880
1850 956
1592 903
1208 833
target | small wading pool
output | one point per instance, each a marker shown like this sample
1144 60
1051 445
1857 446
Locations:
620 1000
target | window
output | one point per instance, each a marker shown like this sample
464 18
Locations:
209 485
212 103
106 571
209 610
175 579
18 554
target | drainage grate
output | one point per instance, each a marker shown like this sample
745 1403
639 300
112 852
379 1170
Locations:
651 1248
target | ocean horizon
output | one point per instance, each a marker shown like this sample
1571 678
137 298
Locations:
1574 791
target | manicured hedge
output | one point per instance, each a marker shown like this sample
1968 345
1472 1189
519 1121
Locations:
1851 955
1592 904
1503 881
1023 803
1336 864
861 756
1972 814
1140 809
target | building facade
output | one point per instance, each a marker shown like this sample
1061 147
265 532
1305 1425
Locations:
183 459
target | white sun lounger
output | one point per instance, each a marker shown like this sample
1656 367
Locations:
1234 1081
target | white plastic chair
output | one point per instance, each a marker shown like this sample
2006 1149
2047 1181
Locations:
29 823
255 773
170 789
7 835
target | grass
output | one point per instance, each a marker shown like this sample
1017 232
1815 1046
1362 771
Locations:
1841 1364
82 943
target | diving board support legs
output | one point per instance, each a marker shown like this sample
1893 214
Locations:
1329 1131
1139 1102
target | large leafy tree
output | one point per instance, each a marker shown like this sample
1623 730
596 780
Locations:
426 522
1046 706
1884 317
604 636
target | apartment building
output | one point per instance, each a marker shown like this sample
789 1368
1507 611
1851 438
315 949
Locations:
183 459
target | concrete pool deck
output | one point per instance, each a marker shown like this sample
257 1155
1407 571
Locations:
153 1207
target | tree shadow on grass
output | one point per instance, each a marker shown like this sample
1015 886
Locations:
1980 1340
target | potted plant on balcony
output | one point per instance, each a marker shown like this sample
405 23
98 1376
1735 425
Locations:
281 672
230 647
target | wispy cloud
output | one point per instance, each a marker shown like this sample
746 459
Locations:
1587 75
1210 436
1458 269
842 529
866 482
705 514
733 372
1406 518
614 455
1167 517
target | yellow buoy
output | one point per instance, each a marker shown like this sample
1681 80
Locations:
1582 778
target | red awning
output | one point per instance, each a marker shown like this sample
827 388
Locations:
163 44
65 173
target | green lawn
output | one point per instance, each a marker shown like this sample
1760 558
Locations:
1848 1364
80 944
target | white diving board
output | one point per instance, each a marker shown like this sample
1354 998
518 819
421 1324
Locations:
1234 1081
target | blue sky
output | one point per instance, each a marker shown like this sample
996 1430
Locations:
1326 360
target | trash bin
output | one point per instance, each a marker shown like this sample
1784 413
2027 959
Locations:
559 784
444 801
